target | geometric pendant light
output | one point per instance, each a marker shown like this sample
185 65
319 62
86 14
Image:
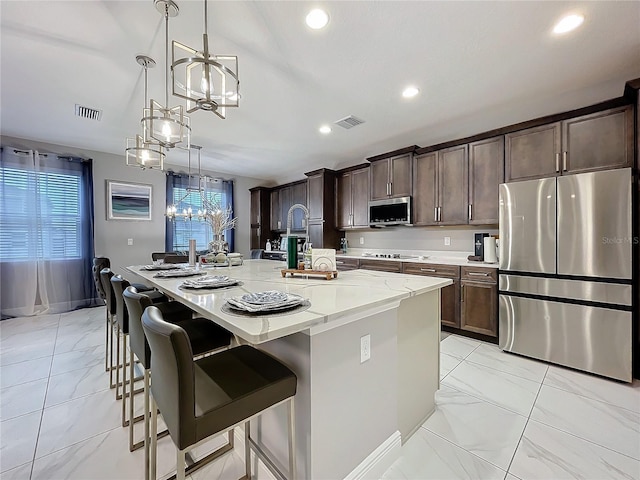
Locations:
162 124
137 152
206 81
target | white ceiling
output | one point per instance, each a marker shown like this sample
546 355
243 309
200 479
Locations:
479 65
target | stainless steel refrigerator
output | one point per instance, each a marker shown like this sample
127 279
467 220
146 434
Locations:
565 271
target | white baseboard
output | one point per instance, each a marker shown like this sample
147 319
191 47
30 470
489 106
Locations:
379 460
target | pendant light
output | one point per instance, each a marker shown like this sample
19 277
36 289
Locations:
176 210
139 153
206 81
168 126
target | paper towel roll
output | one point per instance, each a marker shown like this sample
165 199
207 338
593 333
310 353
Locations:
490 250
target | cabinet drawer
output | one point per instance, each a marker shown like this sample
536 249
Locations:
381 266
347 263
479 274
431 270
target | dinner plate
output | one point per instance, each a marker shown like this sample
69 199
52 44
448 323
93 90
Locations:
291 301
265 298
177 273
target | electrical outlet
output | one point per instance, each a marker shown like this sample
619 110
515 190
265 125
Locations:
361 240
447 241
129 241
365 348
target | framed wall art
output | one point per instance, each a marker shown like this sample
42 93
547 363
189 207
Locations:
128 201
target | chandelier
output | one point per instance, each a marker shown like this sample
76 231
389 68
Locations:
162 124
206 81
139 153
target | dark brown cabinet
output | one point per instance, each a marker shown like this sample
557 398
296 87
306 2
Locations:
391 177
479 300
381 265
282 198
343 264
486 173
449 295
321 186
260 216
440 189
352 191
598 141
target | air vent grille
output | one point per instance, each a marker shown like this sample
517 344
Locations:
88 113
349 122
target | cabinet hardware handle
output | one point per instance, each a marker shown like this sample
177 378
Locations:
428 270
477 274
470 211
338 262
564 161
258 218
557 162
439 214
462 293
390 188
435 214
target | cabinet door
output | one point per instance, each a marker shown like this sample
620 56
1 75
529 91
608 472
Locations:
486 173
316 234
600 141
479 305
379 179
533 153
255 238
315 196
255 207
276 222
360 198
453 186
285 204
425 189
343 205
298 196
400 178
450 304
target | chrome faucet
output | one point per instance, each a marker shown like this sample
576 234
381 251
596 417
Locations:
306 219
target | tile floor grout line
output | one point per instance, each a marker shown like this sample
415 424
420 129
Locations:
501 371
485 400
527 422
44 401
592 399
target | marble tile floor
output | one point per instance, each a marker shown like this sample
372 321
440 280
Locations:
498 415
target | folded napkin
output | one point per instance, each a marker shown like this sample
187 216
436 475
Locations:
209 281
265 301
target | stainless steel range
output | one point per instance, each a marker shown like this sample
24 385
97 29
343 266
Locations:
565 271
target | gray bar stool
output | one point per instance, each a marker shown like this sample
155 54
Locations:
204 337
202 398
118 285
99 263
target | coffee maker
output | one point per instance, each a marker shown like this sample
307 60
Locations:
479 245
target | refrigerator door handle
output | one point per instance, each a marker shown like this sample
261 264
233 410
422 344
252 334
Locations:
557 162
470 212
564 161
435 214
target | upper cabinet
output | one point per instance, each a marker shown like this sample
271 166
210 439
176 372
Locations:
352 190
321 196
440 189
598 141
391 177
486 173
260 216
282 198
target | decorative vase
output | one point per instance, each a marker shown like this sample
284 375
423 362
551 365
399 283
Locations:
218 245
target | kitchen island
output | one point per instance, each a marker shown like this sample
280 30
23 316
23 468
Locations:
352 413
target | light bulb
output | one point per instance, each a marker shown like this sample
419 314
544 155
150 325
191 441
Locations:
144 156
166 130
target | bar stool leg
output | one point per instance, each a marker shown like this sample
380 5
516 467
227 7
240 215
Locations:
106 341
180 466
117 366
293 473
124 379
154 440
146 424
247 451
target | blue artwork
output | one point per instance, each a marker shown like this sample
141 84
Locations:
128 201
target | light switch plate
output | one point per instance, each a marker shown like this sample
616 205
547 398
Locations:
447 241
129 241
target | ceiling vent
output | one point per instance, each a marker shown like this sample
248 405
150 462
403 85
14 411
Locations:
349 122
88 113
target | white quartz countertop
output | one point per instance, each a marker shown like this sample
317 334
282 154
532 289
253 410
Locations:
428 259
351 293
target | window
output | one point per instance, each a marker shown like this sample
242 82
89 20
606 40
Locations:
40 214
184 229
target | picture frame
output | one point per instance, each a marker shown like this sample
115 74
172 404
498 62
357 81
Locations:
129 201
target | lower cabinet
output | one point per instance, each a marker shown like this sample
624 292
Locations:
381 265
479 300
449 295
343 264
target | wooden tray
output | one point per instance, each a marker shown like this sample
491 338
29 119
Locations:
295 271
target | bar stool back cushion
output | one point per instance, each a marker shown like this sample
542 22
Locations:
98 264
109 297
208 396
118 285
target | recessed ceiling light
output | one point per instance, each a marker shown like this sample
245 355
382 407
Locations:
317 19
410 92
325 129
568 23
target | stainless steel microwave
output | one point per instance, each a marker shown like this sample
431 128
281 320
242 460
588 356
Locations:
389 212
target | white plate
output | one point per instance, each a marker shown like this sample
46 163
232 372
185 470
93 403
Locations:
269 297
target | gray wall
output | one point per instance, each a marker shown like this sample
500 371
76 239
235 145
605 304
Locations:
419 238
148 236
